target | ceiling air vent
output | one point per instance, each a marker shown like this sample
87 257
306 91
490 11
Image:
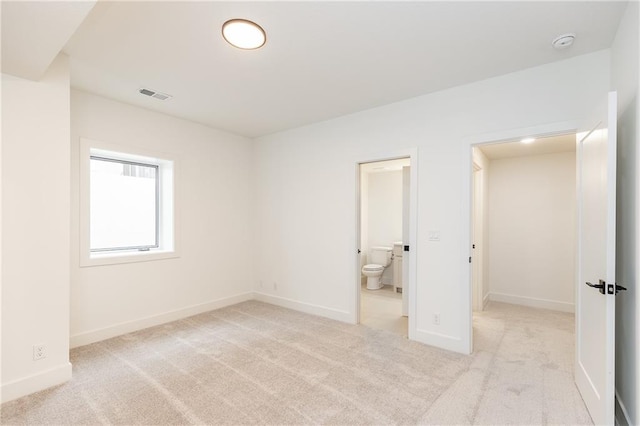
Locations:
154 94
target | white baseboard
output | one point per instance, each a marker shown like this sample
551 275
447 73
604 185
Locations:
621 414
97 335
93 336
485 300
441 341
307 308
35 383
532 302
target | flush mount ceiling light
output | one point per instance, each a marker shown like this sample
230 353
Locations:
528 140
244 34
563 41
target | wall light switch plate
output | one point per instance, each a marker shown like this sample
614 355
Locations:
433 235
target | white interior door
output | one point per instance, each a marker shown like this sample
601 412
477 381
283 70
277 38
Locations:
595 307
406 196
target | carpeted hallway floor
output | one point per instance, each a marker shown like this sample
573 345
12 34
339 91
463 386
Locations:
255 363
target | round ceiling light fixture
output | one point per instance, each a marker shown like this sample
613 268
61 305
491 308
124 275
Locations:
563 41
244 34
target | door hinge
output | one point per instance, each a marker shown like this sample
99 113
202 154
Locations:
469 259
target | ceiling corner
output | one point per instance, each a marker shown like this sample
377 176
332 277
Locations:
33 33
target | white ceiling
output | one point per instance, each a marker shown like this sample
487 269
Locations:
322 59
541 146
34 32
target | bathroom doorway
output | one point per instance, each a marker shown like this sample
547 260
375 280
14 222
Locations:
384 225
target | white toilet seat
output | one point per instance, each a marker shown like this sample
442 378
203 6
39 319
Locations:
372 267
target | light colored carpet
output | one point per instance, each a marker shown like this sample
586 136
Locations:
255 363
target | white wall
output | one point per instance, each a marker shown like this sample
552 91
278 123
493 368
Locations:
385 208
625 69
35 230
214 187
305 202
532 230
385 214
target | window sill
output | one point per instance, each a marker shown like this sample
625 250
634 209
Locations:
100 259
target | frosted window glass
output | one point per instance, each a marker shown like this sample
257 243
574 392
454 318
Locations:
123 205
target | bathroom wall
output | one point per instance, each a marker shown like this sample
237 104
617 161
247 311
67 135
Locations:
385 208
532 230
384 213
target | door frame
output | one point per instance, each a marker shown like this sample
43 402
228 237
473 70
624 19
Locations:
541 131
412 154
477 266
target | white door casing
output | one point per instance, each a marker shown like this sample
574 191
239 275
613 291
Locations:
595 312
476 250
406 197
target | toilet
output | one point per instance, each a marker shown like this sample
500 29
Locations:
380 258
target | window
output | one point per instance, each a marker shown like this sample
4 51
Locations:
127 205
124 205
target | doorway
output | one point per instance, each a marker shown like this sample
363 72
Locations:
523 234
383 237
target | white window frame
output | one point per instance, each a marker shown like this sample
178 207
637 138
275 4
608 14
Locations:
168 218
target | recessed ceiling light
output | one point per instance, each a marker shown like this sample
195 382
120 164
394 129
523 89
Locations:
244 34
528 140
563 41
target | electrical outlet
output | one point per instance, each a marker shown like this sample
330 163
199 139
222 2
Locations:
39 352
436 319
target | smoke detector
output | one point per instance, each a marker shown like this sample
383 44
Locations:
154 94
563 41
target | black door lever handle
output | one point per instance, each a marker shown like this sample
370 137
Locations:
609 288
619 287
600 286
